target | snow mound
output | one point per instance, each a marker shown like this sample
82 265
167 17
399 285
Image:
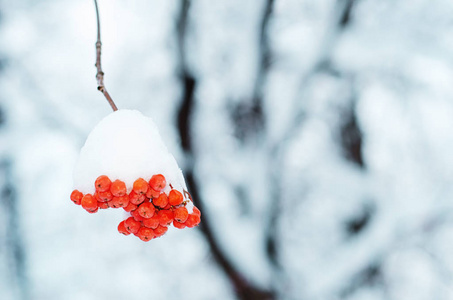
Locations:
126 145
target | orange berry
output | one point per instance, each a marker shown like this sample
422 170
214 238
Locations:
103 205
93 211
175 198
181 214
196 211
146 210
161 201
130 207
145 234
165 217
132 225
140 186
179 225
121 201
167 207
136 198
152 194
102 183
157 182
152 222
137 216
118 188
122 228
133 196
160 231
193 220
104 196
76 197
89 203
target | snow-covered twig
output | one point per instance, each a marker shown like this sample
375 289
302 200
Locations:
100 74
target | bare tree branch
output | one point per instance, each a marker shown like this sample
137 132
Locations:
351 140
275 155
248 116
100 74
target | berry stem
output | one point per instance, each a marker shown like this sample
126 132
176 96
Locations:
100 74
186 193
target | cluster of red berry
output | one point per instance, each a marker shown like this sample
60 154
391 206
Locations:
151 210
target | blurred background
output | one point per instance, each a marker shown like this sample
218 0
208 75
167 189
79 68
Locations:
315 136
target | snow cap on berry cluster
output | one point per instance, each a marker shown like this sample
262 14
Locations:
126 145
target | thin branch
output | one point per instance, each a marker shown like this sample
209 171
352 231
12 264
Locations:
100 74
341 18
264 52
249 119
276 150
351 135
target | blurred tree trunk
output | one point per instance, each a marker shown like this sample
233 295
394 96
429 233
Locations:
244 289
12 254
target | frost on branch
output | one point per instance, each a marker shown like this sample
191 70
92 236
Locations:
125 164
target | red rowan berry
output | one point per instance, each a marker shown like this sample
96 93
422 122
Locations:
136 198
130 207
175 198
132 225
133 196
93 211
161 201
196 211
152 194
140 186
102 183
118 188
146 210
144 199
152 222
167 207
181 214
89 203
121 201
103 205
157 182
76 197
145 234
160 231
137 216
165 217
192 221
111 203
179 225
122 228
104 196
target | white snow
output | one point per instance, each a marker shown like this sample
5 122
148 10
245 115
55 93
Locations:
126 145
